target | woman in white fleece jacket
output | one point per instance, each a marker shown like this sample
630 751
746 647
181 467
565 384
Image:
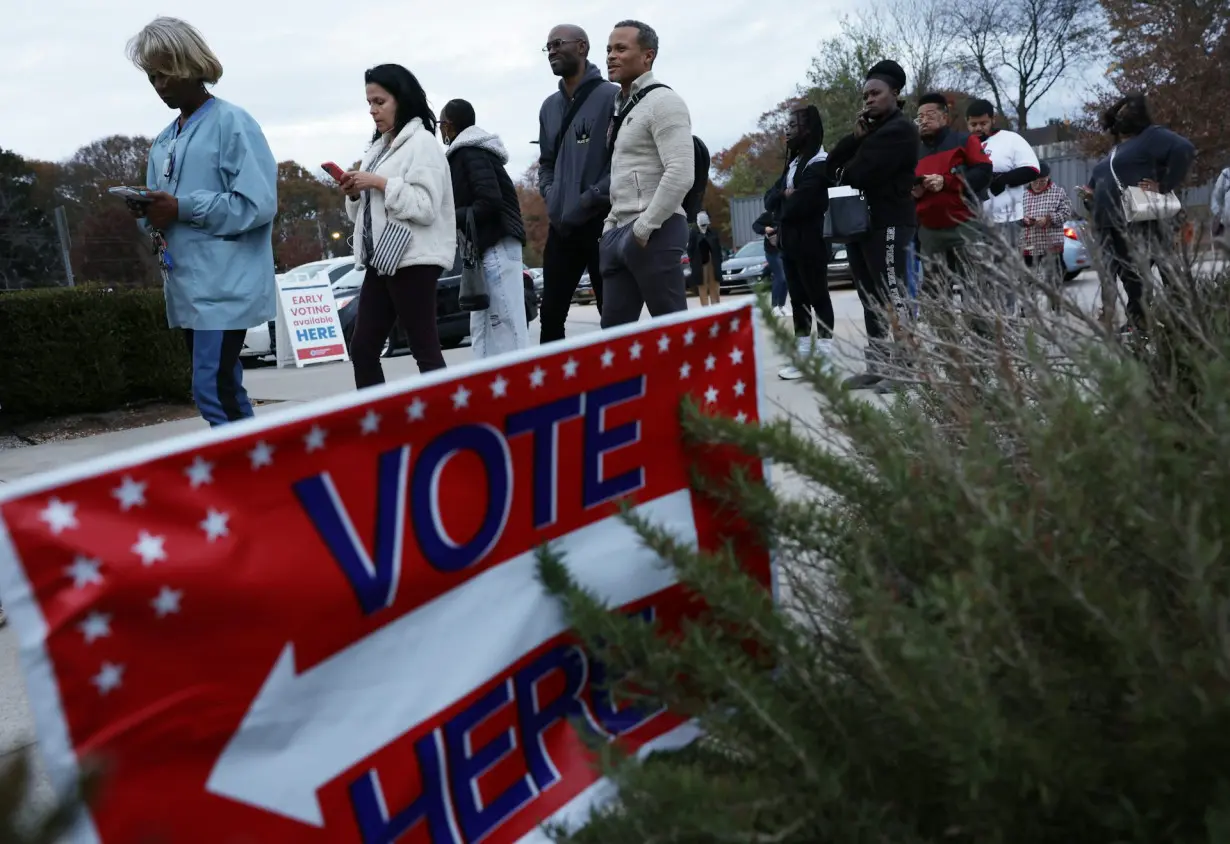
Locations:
401 200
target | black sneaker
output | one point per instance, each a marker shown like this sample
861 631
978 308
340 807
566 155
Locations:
862 381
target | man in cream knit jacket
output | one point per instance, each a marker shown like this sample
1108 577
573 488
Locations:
652 170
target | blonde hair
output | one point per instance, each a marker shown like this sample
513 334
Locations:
174 48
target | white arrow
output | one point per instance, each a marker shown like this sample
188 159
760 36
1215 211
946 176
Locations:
303 730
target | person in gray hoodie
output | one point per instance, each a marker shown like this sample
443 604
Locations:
573 174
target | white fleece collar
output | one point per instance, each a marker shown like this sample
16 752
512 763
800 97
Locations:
476 137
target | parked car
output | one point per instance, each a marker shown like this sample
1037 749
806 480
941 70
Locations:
452 323
1075 255
749 266
584 294
261 340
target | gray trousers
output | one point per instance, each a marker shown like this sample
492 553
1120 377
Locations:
634 277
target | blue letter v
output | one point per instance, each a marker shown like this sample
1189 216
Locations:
374 581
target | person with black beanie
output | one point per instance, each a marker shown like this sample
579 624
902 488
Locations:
799 200
878 158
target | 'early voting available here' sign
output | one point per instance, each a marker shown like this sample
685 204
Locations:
325 625
309 329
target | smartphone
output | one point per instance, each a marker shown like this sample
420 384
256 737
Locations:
333 170
131 194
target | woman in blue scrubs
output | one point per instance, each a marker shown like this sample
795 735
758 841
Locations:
213 183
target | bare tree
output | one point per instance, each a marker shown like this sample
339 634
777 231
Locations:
914 33
1019 50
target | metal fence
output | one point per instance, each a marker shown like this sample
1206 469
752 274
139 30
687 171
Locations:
743 212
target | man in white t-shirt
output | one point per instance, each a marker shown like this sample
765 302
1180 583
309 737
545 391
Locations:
1014 164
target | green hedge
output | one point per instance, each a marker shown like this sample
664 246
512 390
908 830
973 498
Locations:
87 349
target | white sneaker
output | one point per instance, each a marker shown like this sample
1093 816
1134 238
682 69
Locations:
790 372
779 311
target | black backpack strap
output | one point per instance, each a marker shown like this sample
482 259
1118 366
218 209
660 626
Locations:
578 100
623 112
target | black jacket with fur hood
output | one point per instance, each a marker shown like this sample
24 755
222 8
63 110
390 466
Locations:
476 160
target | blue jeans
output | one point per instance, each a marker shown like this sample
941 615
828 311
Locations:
217 375
778 295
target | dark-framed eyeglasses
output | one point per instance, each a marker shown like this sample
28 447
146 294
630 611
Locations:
560 42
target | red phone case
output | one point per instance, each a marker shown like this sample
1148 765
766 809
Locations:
333 170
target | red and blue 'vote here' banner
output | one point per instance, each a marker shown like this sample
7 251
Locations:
326 625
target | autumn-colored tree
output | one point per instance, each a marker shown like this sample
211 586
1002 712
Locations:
754 162
1178 54
107 246
27 236
311 222
533 215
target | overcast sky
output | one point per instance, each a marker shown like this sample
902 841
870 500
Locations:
298 66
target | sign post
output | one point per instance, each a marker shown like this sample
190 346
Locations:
326 624
309 329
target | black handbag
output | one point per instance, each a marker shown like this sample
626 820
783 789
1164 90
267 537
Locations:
848 217
473 294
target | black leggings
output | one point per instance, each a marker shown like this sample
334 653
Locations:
879 262
807 278
408 296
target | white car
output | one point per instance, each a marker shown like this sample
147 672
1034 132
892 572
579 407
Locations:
261 340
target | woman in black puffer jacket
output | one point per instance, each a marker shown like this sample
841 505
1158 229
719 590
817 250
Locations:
481 184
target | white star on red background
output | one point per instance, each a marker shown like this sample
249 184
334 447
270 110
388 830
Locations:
215 525
415 410
461 398
261 455
608 359
370 423
315 439
109 678
150 548
201 472
538 377
95 626
130 493
59 516
499 387
84 572
167 602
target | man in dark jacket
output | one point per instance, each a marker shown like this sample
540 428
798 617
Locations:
951 181
705 261
766 225
878 158
800 200
574 175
